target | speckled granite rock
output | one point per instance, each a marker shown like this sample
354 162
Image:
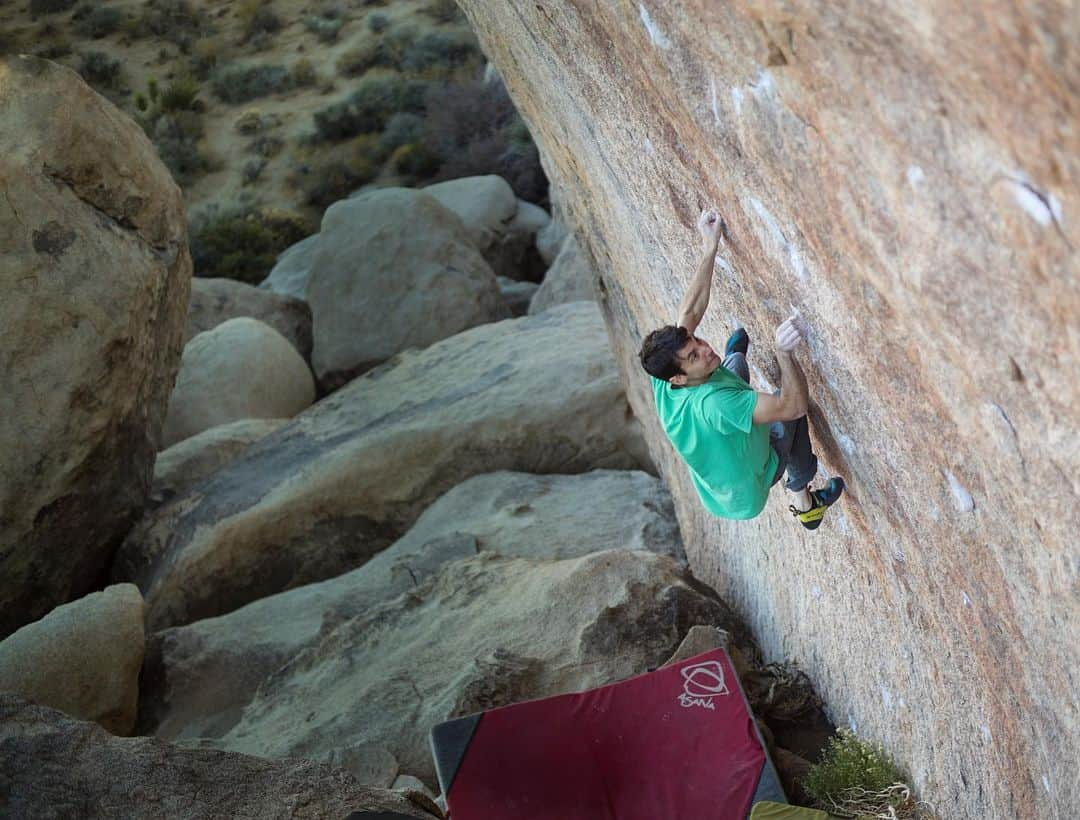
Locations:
909 179
95 274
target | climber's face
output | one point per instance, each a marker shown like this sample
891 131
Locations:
698 361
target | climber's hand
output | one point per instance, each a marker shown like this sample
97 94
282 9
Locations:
788 335
710 226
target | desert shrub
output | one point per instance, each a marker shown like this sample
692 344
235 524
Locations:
100 70
340 170
176 138
257 19
174 21
473 128
302 74
325 28
378 22
414 159
97 22
181 95
442 50
401 129
444 11
267 145
39 7
252 169
359 59
376 98
858 779
241 241
395 42
234 83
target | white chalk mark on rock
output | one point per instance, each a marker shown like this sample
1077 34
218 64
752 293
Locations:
723 264
778 238
815 592
985 732
966 599
886 697
736 100
649 146
1046 783
899 556
715 110
915 175
962 499
847 444
764 85
655 34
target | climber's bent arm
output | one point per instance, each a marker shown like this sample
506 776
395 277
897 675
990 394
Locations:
793 399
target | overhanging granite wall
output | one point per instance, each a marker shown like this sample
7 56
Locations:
906 176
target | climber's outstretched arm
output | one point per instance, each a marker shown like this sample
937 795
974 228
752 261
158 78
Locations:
696 300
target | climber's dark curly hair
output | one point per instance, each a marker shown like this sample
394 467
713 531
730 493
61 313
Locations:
658 351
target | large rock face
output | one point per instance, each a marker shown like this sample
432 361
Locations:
55 766
485 632
393 270
198 678
95 278
909 179
345 478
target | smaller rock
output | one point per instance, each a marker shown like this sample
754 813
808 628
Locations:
571 278
370 763
530 219
700 639
82 658
406 782
517 295
289 276
792 770
549 240
186 463
484 204
214 301
241 369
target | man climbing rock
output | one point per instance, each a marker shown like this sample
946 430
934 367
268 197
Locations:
737 442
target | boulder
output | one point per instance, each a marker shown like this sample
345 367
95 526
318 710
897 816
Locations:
342 481
82 658
485 632
549 240
186 463
517 295
570 278
214 301
241 369
56 766
500 226
393 271
198 678
95 280
289 276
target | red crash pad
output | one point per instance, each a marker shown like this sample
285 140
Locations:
673 744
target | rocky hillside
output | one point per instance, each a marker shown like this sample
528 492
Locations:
906 177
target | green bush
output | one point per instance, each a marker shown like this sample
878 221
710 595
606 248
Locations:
340 170
176 138
401 129
100 70
303 73
857 779
325 28
376 99
234 83
443 50
395 42
444 11
241 242
181 95
97 22
378 22
414 159
359 59
39 7
174 21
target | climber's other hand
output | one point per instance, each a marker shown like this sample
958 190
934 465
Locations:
788 335
710 226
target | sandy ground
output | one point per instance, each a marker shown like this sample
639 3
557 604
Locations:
291 111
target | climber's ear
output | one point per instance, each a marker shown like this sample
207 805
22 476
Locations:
679 380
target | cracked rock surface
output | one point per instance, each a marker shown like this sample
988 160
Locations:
95 279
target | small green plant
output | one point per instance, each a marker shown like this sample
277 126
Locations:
857 779
359 59
440 50
325 28
378 22
367 110
97 22
100 70
258 19
241 241
401 129
234 83
181 95
303 73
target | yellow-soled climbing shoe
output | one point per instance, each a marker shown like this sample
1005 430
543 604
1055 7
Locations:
823 499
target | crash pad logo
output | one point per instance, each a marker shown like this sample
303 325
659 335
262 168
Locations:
701 683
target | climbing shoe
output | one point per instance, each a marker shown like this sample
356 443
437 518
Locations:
823 499
737 342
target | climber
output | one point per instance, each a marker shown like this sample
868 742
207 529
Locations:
736 441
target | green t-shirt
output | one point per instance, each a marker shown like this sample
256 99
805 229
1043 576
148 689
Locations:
731 461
